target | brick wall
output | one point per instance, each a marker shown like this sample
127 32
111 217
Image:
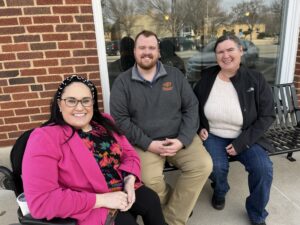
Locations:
41 42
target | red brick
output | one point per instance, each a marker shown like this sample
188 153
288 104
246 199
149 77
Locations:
65 10
42 46
92 52
40 29
86 9
70 45
45 19
20 3
15 48
45 109
15 134
27 111
83 36
78 2
49 2
37 10
25 20
52 86
49 79
48 94
6 143
55 37
5 39
88 27
90 44
30 55
12 105
15 89
68 28
45 63
25 96
92 60
60 70
6 113
86 68
13 120
39 102
27 126
8 128
8 21
33 72
7 56
27 38
5 98
67 19
84 19
3 136
72 61
94 76
42 117
16 64
57 54
12 30
3 83
10 12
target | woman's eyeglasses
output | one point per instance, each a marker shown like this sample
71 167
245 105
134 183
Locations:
73 102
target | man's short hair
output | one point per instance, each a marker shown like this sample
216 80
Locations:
146 33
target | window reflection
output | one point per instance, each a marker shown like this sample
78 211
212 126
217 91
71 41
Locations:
192 26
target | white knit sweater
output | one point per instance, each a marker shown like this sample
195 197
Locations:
223 110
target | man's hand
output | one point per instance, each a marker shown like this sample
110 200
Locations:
171 147
156 147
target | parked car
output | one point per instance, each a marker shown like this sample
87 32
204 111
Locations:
113 48
206 58
181 43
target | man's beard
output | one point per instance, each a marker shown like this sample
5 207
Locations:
147 66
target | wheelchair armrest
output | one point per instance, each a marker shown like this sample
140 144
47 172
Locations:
28 220
6 179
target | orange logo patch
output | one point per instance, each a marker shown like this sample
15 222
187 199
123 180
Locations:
167 86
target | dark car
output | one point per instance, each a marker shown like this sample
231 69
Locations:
181 43
206 58
112 48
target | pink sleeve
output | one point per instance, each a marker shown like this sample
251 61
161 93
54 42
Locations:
46 196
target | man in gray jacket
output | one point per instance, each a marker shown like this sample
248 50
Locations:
157 110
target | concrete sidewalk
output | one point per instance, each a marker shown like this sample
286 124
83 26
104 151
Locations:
284 205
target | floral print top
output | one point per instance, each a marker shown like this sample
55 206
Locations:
107 153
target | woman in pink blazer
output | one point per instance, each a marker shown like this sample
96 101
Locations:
79 165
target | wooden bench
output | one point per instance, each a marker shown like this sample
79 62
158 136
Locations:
284 134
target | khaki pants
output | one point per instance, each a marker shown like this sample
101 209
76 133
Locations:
195 165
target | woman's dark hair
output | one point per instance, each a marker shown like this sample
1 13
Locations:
228 37
56 117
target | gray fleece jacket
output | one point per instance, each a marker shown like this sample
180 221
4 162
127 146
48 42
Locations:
163 108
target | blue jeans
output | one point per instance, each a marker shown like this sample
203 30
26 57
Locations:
257 163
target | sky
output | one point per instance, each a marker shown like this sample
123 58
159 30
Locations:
229 3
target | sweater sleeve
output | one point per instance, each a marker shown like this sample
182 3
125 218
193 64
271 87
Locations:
47 197
120 112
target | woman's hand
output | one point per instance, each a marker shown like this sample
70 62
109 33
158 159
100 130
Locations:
112 200
231 150
203 134
129 189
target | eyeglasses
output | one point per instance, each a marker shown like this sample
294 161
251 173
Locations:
73 102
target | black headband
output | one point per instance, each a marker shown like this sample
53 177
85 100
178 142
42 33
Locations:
71 79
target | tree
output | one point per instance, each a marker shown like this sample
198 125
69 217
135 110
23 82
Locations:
248 13
120 15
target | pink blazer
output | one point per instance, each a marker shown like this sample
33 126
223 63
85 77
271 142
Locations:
61 179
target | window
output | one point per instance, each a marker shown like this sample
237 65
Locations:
193 26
